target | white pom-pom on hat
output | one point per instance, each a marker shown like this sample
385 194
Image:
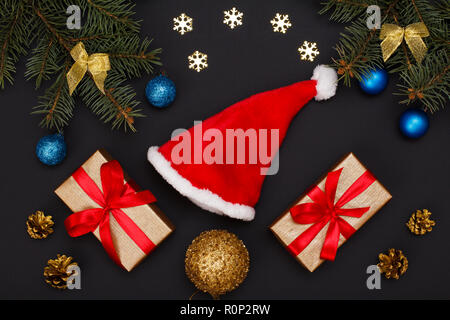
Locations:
327 81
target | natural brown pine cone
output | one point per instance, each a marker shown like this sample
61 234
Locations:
420 222
39 226
394 264
56 273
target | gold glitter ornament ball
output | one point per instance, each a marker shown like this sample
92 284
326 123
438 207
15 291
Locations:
217 262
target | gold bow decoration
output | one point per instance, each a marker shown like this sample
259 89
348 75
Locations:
97 64
392 36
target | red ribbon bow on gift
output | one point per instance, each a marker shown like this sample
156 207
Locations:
323 210
116 195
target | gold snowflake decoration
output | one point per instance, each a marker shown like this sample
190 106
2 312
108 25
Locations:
308 51
281 23
233 18
198 61
182 24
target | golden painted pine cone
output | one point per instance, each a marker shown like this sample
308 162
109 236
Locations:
56 273
394 264
39 226
420 222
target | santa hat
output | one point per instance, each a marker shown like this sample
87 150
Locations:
233 189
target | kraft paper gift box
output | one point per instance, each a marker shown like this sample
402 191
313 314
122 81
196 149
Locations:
153 226
320 220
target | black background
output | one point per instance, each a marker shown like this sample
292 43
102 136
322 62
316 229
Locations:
243 61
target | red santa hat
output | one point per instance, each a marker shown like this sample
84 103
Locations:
226 188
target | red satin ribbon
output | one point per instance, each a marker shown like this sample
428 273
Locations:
116 195
323 210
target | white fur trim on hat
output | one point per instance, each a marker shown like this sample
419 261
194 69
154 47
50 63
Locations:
327 80
204 198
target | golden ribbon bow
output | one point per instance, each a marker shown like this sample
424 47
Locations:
393 36
97 64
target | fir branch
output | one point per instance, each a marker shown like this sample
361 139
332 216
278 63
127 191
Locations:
358 52
411 11
417 11
94 37
44 62
15 30
109 28
345 10
131 56
122 112
117 12
359 49
56 105
443 8
439 37
3 55
52 29
406 57
117 106
428 83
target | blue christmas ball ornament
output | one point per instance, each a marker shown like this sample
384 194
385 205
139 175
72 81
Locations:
51 149
414 123
160 91
375 82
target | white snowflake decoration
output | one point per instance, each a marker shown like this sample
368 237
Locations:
281 23
233 18
198 61
308 51
182 24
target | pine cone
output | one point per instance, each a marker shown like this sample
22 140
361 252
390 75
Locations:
56 273
420 222
394 264
39 226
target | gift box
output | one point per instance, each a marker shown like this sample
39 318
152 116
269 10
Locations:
323 218
106 202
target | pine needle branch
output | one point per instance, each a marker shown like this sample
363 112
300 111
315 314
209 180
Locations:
345 10
53 30
359 48
117 106
417 11
118 12
44 62
428 83
56 105
15 28
108 28
358 52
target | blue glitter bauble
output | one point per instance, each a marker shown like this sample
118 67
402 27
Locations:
51 149
414 123
375 82
160 91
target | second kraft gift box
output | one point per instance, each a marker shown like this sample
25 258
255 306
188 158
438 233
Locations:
324 217
106 202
